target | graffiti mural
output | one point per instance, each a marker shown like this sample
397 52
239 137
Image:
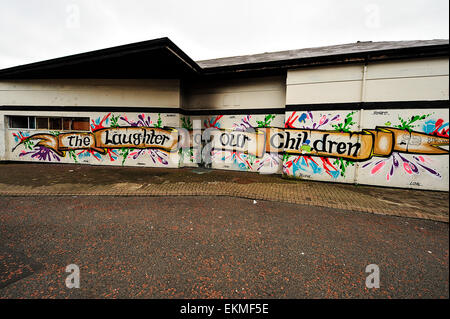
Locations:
379 147
113 139
420 170
322 168
226 148
386 147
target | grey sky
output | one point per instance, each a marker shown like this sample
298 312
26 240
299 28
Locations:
35 30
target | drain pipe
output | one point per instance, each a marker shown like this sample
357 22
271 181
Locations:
363 85
363 99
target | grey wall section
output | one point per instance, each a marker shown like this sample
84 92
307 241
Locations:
238 93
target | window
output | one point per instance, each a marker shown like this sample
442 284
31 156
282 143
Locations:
42 123
81 124
76 124
31 122
22 122
55 123
50 123
67 123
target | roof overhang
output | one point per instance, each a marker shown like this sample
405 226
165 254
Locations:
323 56
159 58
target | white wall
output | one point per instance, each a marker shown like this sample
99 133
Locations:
408 80
337 84
385 81
85 92
148 93
114 158
246 93
411 80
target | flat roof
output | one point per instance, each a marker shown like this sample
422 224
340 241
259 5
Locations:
161 58
349 48
334 54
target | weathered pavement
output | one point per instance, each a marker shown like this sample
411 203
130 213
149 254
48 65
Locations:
31 179
213 247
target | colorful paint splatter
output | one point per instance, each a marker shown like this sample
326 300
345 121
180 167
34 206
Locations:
410 164
43 153
306 164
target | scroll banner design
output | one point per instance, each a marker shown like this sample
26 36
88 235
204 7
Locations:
356 146
361 146
110 138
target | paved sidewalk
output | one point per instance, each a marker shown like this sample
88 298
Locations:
213 247
30 179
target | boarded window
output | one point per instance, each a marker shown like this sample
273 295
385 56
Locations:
80 124
76 124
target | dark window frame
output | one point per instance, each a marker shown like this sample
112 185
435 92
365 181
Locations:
35 119
29 127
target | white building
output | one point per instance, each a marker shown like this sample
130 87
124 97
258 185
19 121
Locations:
369 112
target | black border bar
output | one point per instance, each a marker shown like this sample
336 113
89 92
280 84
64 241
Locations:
435 104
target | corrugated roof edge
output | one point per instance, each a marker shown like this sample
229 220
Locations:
327 54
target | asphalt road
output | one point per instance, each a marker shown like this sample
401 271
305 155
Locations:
213 247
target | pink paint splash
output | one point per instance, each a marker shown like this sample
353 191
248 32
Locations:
100 125
213 122
437 126
142 120
397 161
377 167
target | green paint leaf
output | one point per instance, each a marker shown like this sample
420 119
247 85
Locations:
115 121
159 123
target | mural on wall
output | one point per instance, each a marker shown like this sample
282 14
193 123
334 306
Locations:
330 144
227 150
230 144
326 145
371 146
293 165
431 130
108 138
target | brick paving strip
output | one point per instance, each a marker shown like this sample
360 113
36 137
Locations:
31 179
297 194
